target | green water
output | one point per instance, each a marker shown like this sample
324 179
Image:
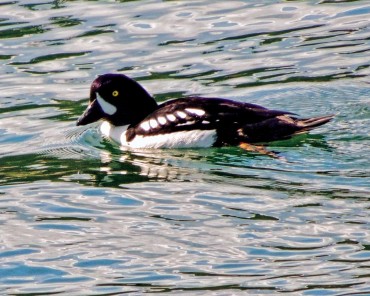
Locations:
80 216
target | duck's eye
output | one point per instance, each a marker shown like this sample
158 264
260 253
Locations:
115 93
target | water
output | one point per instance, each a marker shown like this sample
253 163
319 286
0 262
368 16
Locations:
79 216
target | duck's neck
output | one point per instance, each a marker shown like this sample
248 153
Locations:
133 112
141 103
148 107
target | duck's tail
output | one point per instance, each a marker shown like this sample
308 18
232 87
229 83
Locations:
279 128
308 124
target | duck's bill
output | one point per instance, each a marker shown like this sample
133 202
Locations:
92 113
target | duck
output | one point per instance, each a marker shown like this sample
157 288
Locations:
131 117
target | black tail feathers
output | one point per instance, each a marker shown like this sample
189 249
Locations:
308 124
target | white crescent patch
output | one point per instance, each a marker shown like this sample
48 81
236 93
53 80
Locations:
108 108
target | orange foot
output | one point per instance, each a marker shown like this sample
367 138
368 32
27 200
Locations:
259 149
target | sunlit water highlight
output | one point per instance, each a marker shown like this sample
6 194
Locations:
79 215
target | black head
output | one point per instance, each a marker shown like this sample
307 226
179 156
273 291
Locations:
118 99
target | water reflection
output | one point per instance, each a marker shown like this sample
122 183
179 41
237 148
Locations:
79 215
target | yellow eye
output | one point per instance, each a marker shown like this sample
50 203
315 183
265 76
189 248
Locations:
115 93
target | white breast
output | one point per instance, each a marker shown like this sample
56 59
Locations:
182 139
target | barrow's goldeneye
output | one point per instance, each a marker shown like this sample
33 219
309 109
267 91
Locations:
134 119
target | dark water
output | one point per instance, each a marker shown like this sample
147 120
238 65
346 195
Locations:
81 217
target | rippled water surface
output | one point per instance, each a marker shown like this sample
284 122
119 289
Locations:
79 216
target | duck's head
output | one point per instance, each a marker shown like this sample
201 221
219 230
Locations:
117 99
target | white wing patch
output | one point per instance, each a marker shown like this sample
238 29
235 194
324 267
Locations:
171 117
153 123
188 116
186 123
145 126
181 114
162 120
195 111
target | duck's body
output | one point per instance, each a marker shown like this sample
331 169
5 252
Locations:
133 118
183 139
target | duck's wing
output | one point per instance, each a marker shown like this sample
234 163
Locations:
201 114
